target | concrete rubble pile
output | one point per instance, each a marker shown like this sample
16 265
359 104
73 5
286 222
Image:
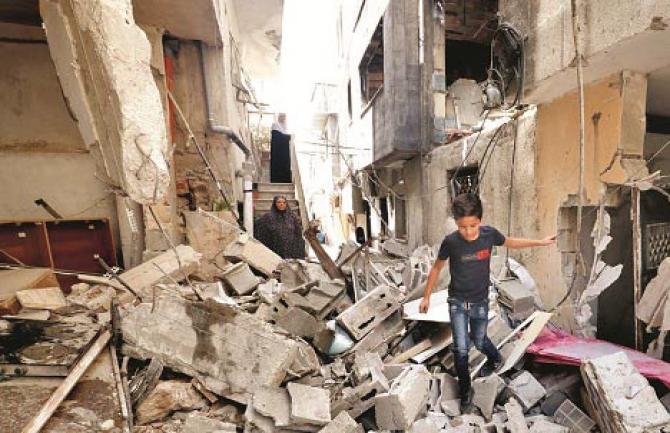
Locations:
272 346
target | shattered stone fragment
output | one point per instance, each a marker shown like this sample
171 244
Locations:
171 265
486 390
516 423
398 408
240 278
168 396
343 423
309 405
274 403
258 256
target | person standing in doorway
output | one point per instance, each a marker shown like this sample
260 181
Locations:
280 152
281 230
469 252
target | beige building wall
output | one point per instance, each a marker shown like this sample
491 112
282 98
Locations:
42 154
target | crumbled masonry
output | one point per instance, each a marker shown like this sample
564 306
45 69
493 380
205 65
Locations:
262 351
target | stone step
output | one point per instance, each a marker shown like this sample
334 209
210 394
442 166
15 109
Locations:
276 187
269 195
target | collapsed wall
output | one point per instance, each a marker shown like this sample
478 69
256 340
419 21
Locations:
103 62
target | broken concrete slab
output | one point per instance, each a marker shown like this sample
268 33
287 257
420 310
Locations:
309 405
342 423
365 315
171 265
623 399
48 298
167 397
240 278
210 233
95 298
249 250
486 390
516 423
14 280
216 343
126 128
527 390
405 400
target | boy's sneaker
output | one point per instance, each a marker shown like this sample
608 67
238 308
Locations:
490 368
466 402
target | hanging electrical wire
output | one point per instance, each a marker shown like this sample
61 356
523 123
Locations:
507 68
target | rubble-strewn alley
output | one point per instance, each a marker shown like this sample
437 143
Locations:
334 216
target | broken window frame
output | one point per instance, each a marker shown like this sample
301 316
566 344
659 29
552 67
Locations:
375 50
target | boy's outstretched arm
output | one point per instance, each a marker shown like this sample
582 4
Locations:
432 279
527 243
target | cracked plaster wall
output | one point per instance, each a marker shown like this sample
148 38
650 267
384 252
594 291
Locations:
42 154
612 32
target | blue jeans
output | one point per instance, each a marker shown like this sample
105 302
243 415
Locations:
474 314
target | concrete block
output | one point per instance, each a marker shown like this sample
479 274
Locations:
486 390
167 397
299 322
47 298
357 400
240 278
362 317
376 340
527 390
309 405
543 426
343 423
516 423
254 253
398 408
176 266
274 403
215 343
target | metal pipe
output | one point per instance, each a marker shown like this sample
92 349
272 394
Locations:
211 123
248 204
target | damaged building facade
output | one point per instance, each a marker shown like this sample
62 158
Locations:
414 76
130 114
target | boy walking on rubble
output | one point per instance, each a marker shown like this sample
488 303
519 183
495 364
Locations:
469 252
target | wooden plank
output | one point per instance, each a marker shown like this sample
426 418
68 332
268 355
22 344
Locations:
518 329
34 370
49 298
36 424
412 351
540 319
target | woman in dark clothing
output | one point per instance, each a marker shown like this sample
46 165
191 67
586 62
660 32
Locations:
281 231
280 152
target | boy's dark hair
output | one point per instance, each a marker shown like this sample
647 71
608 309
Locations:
465 205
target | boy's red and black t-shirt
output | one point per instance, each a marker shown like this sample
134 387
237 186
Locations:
470 263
